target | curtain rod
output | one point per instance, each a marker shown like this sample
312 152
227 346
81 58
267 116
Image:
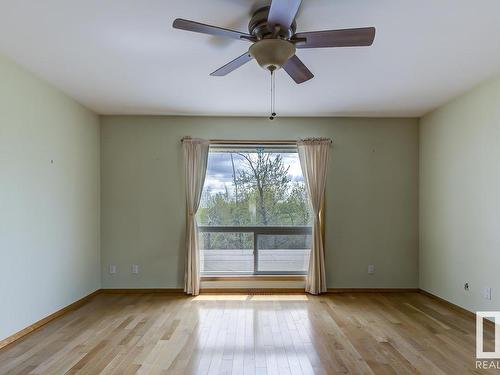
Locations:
252 142
249 141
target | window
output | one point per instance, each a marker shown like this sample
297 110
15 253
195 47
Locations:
254 215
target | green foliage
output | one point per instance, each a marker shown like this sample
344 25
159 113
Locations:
262 194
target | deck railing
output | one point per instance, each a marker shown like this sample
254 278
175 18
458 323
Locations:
257 250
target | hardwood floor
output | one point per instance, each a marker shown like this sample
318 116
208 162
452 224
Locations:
373 333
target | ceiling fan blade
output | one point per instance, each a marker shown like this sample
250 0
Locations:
198 27
297 70
232 65
283 13
336 38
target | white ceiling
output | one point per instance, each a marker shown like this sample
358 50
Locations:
123 57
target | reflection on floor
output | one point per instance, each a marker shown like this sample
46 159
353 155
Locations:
394 333
246 297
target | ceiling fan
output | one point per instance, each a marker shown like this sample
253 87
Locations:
274 40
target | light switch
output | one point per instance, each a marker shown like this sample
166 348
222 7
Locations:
135 268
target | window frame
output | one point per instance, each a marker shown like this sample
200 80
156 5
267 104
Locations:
239 146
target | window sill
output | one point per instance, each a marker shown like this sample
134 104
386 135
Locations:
253 278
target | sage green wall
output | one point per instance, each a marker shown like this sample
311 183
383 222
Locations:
371 197
49 212
460 199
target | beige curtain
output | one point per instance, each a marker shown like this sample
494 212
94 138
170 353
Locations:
195 167
313 155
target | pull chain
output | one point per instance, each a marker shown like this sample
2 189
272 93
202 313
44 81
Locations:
273 95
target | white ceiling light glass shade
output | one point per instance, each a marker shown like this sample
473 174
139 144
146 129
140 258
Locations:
272 54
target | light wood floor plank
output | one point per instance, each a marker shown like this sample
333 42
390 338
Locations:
357 333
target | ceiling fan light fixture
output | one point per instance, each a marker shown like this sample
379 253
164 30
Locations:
272 54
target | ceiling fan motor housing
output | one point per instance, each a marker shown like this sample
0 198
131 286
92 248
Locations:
272 49
259 28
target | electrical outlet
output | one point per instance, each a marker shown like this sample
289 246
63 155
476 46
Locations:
112 269
371 269
135 268
487 293
466 286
